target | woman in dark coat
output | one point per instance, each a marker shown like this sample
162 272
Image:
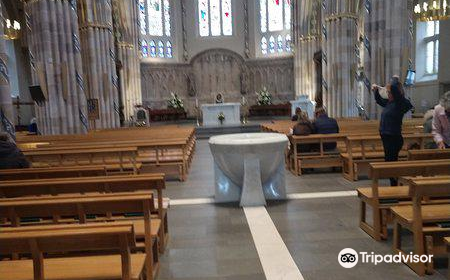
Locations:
394 108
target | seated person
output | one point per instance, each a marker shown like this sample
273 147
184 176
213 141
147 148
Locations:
441 122
303 128
10 156
325 125
298 112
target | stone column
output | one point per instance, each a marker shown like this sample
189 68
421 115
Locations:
6 107
53 39
127 45
339 38
307 42
388 39
97 40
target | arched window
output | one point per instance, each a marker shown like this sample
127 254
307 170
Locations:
161 49
144 48
280 44
155 26
168 49
142 17
271 44
275 21
215 18
288 42
264 45
152 48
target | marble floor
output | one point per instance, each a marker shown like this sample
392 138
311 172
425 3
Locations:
209 241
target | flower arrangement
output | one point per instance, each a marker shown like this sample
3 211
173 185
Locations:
221 117
264 97
175 102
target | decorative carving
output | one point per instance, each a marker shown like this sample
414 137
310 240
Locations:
217 71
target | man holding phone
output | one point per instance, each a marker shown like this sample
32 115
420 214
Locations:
441 122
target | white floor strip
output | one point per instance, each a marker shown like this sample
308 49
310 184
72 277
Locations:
275 258
292 196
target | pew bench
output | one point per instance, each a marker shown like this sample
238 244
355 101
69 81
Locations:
99 184
428 154
95 241
382 198
53 172
319 158
423 220
89 208
361 150
447 242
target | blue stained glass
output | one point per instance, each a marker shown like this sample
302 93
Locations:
280 43
271 44
264 45
169 49
161 49
288 43
144 48
152 48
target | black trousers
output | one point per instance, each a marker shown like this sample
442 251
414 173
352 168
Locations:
392 145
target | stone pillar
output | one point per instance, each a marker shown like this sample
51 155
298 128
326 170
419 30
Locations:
98 52
387 48
339 38
53 39
126 27
307 42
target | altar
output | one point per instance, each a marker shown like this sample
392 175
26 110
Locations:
230 111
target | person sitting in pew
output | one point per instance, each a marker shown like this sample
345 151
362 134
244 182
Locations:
297 116
10 155
325 125
441 122
303 128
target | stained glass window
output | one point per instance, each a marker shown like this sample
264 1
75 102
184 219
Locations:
271 44
227 18
215 17
144 48
203 17
287 14
152 48
280 44
288 42
155 23
264 45
142 17
275 24
161 49
168 49
167 17
263 14
156 28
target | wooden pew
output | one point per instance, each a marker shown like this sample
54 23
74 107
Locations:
314 159
364 149
122 158
99 184
53 172
381 198
447 242
99 238
89 208
428 154
423 220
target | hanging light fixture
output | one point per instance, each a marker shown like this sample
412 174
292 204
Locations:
12 29
431 10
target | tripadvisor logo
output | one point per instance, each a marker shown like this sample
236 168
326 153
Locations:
349 258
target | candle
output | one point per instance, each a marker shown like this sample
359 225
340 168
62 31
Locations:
196 102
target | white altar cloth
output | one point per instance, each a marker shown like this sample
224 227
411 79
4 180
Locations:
231 111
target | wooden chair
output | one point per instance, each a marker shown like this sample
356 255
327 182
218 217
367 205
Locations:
381 198
423 220
96 240
89 208
99 184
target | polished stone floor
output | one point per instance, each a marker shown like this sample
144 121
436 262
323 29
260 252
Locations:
210 241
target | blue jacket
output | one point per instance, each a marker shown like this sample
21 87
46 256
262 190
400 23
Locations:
326 125
393 112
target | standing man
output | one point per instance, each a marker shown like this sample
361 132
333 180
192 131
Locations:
441 122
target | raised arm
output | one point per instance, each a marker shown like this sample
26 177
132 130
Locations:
380 100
